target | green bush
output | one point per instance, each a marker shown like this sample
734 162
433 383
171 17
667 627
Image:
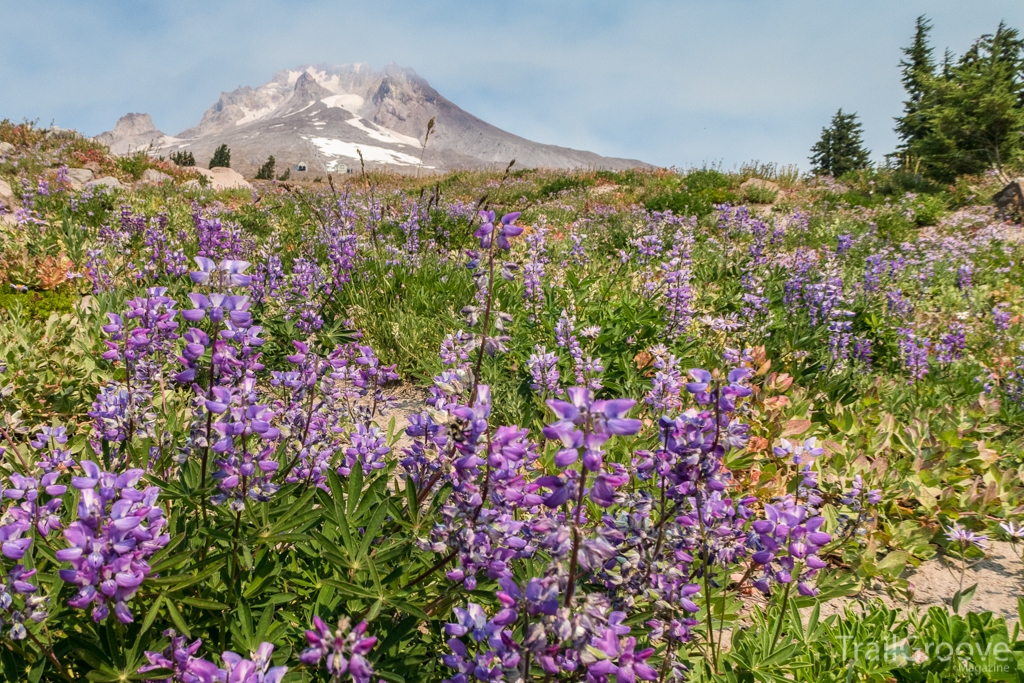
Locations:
567 182
697 193
134 164
221 157
38 305
183 158
266 171
756 194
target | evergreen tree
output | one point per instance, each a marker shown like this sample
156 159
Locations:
974 114
266 171
286 175
221 157
183 158
841 147
918 69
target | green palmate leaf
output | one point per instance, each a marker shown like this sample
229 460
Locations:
179 621
263 628
355 490
372 529
388 676
292 517
151 614
205 604
352 589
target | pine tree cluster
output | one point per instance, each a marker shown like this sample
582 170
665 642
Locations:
221 157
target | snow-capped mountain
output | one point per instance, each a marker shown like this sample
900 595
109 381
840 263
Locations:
325 116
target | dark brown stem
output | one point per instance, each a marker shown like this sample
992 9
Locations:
487 321
571 587
440 563
52 656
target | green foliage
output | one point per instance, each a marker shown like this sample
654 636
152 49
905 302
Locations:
758 194
785 175
37 306
939 450
918 70
696 193
24 134
841 147
134 164
183 158
875 644
221 157
565 182
266 171
286 175
969 116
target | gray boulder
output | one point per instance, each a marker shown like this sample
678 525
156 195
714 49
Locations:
6 148
760 184
221 178
78 177
154 176
6 195
108 181
1010 199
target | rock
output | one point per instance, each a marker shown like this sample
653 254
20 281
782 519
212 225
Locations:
760 184
1010 199
224 178
93 166
108 181
78 177
6 195
132 133
759 191
6 148
154 176
192 184
8 219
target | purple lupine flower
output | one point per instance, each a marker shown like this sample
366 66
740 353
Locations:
505 229
952 344
609 655
915 353
664 395
856 497
117 530
965 278
342 650
179 658
369 446
543 368
19 603
481 647
1001 317
534 270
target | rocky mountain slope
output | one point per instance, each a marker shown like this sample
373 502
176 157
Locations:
325 116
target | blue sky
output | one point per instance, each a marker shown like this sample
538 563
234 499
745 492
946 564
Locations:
673 83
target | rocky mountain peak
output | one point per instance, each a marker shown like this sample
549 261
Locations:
132 132
325 116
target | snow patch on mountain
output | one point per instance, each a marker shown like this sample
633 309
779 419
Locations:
347 101
381 134
329 147
250 115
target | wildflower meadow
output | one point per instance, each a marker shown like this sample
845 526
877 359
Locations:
509 425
